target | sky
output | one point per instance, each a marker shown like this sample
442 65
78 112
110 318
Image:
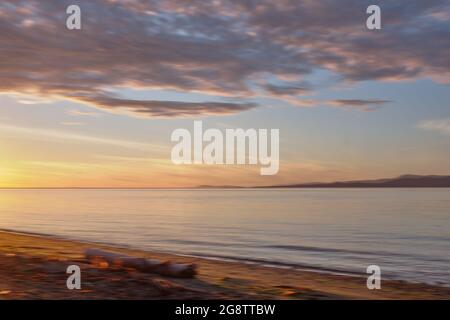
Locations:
96 107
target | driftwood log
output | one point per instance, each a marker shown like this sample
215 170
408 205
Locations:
166 268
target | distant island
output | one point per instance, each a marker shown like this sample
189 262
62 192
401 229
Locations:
405 181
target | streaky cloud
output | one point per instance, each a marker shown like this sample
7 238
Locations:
439 125
165 109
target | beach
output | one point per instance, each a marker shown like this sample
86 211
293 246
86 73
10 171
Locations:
34 267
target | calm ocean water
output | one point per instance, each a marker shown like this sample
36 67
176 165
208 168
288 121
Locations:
404 231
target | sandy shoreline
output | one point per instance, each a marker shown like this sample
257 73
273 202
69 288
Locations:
34 267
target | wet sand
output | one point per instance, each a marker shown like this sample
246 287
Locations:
34 267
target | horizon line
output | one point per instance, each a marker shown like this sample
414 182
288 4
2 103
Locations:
280 186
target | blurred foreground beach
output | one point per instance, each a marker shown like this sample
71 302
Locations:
34 267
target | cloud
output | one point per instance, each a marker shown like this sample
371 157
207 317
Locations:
80 113
350 104
58 135
30 99
228 48
440 125
286 90
359 104
165 109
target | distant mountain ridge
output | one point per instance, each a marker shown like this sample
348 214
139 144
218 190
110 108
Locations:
405 181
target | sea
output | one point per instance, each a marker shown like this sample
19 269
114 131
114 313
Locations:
406 232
